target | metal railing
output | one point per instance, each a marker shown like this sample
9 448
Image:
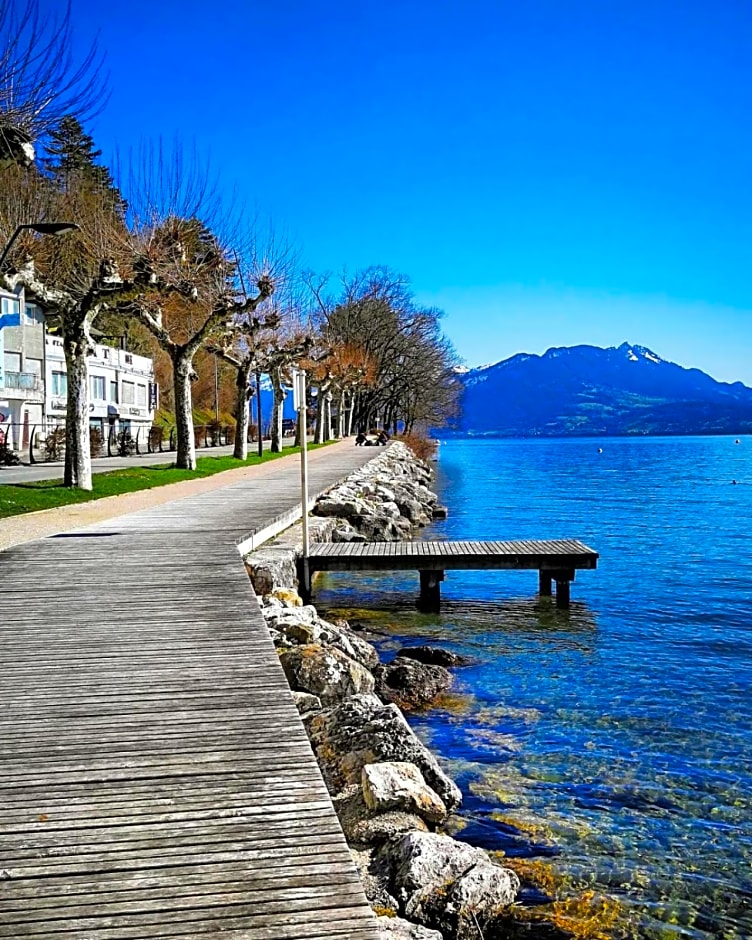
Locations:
28 381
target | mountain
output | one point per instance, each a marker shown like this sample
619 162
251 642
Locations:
585 390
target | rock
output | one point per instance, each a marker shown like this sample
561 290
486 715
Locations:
374 877
433 656
362 827
470 904
410 683
270 569
395 928
341 637
325 672
306 703
424 861
362 730
287 597
391 785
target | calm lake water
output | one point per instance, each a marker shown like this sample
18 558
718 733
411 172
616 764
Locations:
612 741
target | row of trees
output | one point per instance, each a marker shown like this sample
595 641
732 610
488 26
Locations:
156 251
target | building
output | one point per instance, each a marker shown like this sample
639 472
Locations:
33 381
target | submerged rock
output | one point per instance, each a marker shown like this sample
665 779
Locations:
362 730
409 683
433 656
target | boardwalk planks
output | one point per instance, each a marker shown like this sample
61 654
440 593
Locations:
155 778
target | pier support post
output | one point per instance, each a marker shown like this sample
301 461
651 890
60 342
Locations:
562 593
305 579
544 583
429 601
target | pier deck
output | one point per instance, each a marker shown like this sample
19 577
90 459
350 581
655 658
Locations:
155 777
556 561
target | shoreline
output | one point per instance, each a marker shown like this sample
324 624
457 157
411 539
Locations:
391 796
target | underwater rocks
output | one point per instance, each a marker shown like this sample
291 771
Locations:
410 683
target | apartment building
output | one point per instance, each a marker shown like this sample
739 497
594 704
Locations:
33 381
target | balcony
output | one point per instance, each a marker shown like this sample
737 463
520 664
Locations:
28 384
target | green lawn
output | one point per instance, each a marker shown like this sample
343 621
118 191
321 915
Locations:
17 498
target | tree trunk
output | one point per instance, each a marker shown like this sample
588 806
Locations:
182 371
318 428
279 402
77 453
328 416
350 413
242 404
341 415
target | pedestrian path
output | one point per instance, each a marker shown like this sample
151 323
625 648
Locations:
155 778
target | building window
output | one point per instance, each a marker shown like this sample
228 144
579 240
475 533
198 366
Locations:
12 362
32 315
11 307
33 365
113 391
141 395
129 393
97 387
59 384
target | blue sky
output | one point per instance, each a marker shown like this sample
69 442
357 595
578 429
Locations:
548 173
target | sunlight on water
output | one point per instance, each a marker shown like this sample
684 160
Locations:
612 741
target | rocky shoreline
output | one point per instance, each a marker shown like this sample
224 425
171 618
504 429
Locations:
390 793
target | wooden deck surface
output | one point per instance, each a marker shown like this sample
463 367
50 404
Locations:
155 778
550 554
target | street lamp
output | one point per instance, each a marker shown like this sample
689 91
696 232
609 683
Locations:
43 228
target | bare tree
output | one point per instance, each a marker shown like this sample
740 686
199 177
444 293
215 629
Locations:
186 246
74 278
40 80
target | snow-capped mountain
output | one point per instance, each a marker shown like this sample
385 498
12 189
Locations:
586 390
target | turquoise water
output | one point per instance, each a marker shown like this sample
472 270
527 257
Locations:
614 739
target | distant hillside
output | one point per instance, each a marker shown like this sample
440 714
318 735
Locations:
585 390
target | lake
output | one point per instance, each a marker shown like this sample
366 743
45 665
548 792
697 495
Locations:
611 742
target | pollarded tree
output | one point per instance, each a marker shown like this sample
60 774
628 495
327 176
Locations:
40 79
75 278
246 346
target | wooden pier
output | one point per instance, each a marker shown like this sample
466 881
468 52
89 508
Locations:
555 560
155 777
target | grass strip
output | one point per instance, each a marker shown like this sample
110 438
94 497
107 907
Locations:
19 498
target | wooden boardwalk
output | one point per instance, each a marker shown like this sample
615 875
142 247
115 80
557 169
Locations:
555 560
155 778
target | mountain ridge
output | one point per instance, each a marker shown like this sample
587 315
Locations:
592 391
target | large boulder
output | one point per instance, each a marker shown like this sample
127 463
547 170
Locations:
362 730
410 683
398 785
325 672
447 885
424 861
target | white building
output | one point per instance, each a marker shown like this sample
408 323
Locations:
33 381
122 392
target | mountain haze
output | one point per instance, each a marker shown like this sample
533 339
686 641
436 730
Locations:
586 390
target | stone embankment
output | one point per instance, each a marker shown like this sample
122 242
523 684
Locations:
389 791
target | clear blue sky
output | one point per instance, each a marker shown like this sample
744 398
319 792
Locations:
548 172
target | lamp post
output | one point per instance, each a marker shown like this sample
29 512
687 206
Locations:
42 228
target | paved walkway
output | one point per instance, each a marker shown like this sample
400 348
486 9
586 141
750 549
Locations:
155 778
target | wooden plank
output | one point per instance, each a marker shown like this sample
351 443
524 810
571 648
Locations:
155 778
